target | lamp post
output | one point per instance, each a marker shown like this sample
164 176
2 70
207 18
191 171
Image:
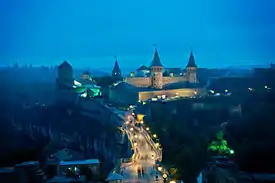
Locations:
156 174
164 177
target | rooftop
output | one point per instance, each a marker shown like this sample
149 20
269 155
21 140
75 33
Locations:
191 62
156 60
28 163
65 64
79 162
143 68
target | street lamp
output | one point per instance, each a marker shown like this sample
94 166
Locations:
160 168
141 122
132 129
155 136
157 144
147 128
164 175
172 181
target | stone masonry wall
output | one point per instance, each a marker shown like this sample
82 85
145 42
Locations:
139 81
186 92
168 80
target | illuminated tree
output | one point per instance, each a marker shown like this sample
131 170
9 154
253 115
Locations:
219 145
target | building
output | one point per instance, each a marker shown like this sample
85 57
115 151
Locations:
69 89
156 82
156 76
64 83
86 75
116 72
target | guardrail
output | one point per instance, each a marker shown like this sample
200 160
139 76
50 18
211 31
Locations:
153 144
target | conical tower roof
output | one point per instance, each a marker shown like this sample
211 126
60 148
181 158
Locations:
156 60
191 62
116 67
65 64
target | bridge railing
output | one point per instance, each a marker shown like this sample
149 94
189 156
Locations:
152 143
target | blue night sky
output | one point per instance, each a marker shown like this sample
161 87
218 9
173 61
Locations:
88 33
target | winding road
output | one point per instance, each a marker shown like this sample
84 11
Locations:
145 154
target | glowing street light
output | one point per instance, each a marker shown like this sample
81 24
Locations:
147 128
212 91
133 114
132 129
141 122
265 87
160 168
164 175
172 181
157 144
155 136
231 151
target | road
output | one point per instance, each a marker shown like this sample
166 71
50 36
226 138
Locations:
145 155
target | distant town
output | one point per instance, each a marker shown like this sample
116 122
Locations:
153 124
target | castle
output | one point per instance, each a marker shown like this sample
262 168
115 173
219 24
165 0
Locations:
156 76
156 82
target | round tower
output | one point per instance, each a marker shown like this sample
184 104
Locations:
156 71
191 69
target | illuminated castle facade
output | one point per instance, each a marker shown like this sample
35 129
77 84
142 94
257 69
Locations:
156 76
148 83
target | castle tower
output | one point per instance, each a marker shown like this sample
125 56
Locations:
116 72
191 69
156 71
65 74
64 84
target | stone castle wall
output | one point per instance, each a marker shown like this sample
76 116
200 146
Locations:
168 80
146 81
139 81
186 92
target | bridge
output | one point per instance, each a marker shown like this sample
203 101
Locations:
141 167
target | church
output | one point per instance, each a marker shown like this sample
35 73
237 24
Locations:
156 81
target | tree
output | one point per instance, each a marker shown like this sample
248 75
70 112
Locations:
219 146
252 137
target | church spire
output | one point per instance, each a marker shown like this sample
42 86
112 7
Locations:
156 60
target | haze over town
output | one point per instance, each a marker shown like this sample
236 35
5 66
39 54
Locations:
137 91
